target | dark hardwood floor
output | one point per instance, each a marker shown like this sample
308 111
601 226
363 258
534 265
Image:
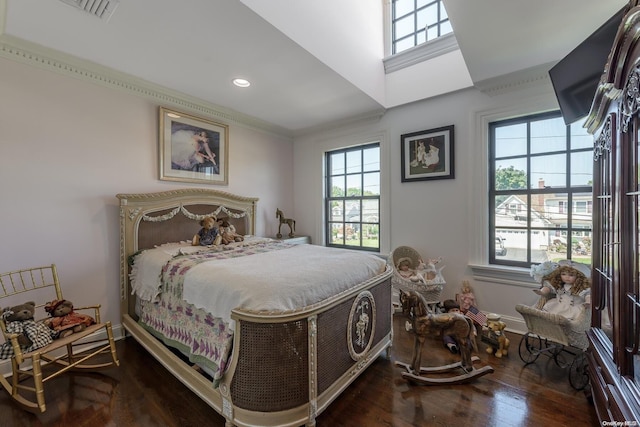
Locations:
142 393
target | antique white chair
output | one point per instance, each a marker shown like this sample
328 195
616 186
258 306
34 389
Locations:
26 385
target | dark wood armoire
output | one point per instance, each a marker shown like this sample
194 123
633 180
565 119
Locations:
614 337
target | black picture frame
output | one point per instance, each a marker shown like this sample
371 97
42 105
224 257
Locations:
428 154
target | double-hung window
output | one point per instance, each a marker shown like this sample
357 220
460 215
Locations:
540 190
353 197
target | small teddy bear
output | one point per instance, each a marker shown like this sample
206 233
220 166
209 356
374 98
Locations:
208 234
64 320
496 340
228 232
32 335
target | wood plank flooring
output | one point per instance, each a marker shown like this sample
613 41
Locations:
142 393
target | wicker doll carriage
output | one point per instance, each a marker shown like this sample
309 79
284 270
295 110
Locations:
417 275
554 335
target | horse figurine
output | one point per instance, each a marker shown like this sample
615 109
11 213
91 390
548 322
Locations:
290 222
422 323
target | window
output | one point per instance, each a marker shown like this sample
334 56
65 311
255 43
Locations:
540 194
353 197
414 22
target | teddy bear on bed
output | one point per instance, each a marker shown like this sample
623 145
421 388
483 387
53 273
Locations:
209 234
64 320
228 232
32 335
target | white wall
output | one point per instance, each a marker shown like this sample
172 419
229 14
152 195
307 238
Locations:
438 218
67 147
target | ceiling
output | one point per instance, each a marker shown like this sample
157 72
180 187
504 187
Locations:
310 63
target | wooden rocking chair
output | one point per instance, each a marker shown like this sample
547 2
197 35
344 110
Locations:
26 385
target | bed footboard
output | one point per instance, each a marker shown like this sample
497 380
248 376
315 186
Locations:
289 370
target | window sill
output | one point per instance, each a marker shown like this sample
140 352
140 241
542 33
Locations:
421 53
513 276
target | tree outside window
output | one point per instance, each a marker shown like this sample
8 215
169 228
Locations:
539 167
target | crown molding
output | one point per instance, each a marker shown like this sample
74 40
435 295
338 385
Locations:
36 55
516 80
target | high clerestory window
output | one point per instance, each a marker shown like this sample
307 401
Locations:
414 22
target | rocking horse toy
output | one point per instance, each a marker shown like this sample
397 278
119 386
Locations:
290 222
422 323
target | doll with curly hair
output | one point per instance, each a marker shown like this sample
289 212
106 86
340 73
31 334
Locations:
568 290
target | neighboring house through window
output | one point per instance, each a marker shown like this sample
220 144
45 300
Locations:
540 189
353 197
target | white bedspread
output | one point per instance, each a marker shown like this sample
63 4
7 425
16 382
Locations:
147 267
270 282
278 281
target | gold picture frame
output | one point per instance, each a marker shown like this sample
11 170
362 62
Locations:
193 149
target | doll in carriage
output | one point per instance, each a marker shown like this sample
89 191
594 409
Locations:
411 273
567 290
557 324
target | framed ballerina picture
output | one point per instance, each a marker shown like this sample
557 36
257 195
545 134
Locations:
427 154
193 149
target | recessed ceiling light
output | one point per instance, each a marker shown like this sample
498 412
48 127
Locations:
241 82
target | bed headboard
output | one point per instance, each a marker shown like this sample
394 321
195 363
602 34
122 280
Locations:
150 219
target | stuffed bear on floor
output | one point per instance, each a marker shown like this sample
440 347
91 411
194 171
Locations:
64 320
32 335
497 342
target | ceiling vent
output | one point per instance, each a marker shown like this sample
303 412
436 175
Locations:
102 9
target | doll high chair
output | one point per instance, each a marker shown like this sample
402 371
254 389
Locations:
554 335
418 276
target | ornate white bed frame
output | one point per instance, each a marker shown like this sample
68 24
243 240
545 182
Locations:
285 368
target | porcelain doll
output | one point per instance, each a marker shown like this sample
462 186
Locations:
568 289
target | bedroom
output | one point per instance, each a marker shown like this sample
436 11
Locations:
70 145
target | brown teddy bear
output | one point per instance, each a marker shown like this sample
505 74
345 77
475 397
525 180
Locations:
64 320
228 232
497 341
208 234
32 335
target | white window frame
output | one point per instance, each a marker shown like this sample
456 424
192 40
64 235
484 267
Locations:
337 140
478 219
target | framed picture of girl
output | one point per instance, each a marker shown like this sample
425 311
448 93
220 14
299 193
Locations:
427 154
193 149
